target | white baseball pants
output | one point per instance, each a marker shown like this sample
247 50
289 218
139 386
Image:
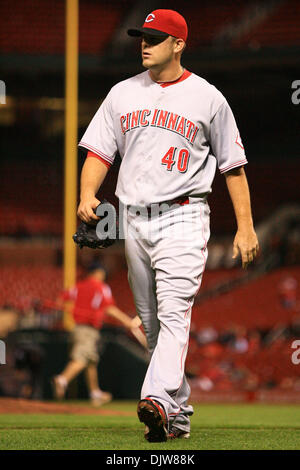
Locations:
166 257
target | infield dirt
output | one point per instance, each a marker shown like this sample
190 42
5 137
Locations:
22 406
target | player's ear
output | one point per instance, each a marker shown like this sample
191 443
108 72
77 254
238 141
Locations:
179 45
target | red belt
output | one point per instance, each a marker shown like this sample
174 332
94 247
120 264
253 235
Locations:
181 201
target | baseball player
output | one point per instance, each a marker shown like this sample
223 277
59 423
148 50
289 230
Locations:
172 129
92 299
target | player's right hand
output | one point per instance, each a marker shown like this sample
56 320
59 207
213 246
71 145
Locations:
86 209
136 322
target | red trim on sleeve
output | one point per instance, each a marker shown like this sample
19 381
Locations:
234 165
92 154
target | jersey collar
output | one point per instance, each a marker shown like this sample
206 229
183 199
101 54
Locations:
184 76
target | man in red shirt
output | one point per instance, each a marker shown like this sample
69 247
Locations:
92 299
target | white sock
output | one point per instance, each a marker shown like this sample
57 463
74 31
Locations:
96 394
62 381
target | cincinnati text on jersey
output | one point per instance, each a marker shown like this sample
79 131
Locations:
160 118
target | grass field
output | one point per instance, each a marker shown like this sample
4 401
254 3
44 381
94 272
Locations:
214 427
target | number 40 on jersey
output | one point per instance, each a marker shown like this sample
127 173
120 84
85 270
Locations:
178 157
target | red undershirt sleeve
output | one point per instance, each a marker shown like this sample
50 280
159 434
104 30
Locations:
92 154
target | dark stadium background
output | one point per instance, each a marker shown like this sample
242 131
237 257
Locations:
244 323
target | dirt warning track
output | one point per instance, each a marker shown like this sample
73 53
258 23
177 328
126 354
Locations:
22 406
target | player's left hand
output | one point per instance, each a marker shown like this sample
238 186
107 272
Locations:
245 243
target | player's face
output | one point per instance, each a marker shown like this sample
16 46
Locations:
157 50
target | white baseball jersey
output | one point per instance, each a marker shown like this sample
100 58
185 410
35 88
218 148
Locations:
170 137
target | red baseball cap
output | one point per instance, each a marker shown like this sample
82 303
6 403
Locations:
163 23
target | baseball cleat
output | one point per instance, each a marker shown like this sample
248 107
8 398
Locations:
152 414
176 433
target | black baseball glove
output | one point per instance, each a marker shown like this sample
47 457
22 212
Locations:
102 234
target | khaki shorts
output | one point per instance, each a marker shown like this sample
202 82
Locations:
86 341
